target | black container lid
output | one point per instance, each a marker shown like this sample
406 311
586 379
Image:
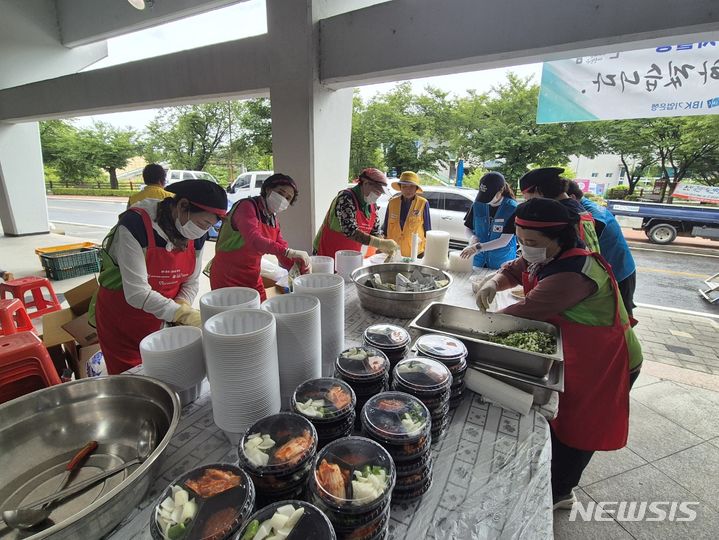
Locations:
334 398
387 336
440 347
362 364
240 498
422 375
294 438
387 416
313 522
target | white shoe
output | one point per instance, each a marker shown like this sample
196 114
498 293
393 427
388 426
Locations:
566 502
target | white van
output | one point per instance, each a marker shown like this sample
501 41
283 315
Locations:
247 184
175 175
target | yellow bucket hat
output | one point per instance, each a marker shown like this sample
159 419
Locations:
407 178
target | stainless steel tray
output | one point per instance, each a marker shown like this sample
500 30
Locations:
469 325
540 388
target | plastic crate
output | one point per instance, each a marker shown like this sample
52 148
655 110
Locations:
60 262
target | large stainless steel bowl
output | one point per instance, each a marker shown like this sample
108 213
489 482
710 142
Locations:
40 432
400 305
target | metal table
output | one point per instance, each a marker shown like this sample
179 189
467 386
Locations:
491 471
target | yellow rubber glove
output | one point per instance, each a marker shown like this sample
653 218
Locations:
385 245
486 294
187 316
182 302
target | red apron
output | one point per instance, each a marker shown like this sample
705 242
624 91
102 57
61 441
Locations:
241 267
594 408
121 327
333 241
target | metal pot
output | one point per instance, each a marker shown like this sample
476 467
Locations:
39 431
400 305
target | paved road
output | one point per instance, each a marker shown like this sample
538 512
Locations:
664 278
81 212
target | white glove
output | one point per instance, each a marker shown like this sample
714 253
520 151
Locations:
299 256
470 251
486 294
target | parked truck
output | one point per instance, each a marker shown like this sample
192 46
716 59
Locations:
662 223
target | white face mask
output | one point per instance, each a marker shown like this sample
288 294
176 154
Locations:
190 230
277 203
372 197
534 255
498 198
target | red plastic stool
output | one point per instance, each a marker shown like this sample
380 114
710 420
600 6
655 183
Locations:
14 318
18 288
25 365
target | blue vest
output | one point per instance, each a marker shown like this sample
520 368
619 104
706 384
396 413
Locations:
487 228
612 243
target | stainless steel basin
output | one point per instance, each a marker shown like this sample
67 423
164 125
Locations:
40 432
471 325
400 305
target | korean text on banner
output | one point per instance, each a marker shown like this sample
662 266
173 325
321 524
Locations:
696 192
670 80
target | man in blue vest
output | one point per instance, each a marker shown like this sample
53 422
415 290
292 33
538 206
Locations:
613 246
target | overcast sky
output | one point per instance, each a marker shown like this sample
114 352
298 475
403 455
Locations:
243 20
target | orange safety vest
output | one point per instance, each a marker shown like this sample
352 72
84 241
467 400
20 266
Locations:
413 224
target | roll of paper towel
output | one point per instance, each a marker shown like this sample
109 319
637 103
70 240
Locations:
498 392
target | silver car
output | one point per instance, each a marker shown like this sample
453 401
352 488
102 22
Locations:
448 206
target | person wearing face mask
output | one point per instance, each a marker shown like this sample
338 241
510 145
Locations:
574 289
613 245
252 230
150 266
407 214
547 182
351 221
490 243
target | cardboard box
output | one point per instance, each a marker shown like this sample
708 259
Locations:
80 329
69 327
85 353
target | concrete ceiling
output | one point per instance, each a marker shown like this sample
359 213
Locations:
88 21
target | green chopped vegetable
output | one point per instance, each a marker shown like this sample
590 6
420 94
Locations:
176 531
251 531
529 340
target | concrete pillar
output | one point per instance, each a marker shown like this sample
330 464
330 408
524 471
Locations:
23 206
311 125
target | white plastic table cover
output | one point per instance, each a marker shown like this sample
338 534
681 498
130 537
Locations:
491 474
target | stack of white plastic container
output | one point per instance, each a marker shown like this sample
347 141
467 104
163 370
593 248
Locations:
241 354
220 300
330 290
174 356
299 340
346 262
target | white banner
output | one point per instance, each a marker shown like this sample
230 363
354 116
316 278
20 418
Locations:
696 192
670 80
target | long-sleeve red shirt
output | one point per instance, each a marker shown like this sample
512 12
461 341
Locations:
245 221
551 296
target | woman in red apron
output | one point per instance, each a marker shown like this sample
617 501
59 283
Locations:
252 230
150 267
351 221
575 290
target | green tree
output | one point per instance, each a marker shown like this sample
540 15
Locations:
64 151
683 143
401 130
187 136
631 140
109 148
501 126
